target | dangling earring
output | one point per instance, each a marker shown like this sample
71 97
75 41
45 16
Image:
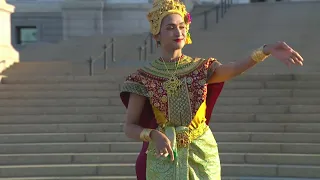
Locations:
158 44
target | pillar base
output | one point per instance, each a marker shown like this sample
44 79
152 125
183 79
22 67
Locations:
8 56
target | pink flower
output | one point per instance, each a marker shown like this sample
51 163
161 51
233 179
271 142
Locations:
188 18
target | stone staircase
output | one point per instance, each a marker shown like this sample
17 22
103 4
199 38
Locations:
58 123
71 128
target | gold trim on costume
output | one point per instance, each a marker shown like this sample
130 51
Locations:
187 64
184 137
134 87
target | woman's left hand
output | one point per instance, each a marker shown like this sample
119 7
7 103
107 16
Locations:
284 53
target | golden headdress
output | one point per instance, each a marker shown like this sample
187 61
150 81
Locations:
162 8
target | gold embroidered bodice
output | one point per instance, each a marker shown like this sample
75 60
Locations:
185 108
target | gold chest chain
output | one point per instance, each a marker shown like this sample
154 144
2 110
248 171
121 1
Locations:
173 83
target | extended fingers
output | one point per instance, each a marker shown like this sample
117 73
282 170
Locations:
170 151
297 57
285 45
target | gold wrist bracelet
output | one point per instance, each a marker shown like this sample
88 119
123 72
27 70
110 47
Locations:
258 55
145 135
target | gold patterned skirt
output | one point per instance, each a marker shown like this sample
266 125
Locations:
198 160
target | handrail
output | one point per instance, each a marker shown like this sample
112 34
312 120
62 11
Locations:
144 47
104 53
223 5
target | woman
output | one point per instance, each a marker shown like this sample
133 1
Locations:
169 102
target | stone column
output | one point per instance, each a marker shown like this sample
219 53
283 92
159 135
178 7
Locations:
8 55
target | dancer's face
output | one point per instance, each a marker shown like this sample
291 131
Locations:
172 34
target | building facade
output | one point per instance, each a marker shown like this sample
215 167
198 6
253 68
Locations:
51 21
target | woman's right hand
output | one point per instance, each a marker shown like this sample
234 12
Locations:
163 144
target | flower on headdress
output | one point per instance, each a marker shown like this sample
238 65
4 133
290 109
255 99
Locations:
188 18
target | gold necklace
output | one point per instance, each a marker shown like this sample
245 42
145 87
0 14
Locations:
173 83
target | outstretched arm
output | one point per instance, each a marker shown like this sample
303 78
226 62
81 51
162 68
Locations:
280 50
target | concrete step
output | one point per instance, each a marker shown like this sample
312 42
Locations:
57 79
275 109
294 117
128 170
62 110
270 93
225 109
79 102
292 101
270 158
118 127
62 119
61 86
262 101
272 137
78 178
264 117
67 158
129 147
61 128
68 170
242 147
294 148
278 109
264 127
119 118
271 170
294 84
79 86
57 94
118 158
278 77
110 136
266 178
116 136
257 93
115 94
119 78
134 178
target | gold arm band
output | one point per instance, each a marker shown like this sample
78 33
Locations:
145 135
258 55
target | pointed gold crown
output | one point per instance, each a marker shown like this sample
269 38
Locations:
162 8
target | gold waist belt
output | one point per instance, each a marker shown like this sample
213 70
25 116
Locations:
182 136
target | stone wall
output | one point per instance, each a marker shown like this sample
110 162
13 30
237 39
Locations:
49 25
86 18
